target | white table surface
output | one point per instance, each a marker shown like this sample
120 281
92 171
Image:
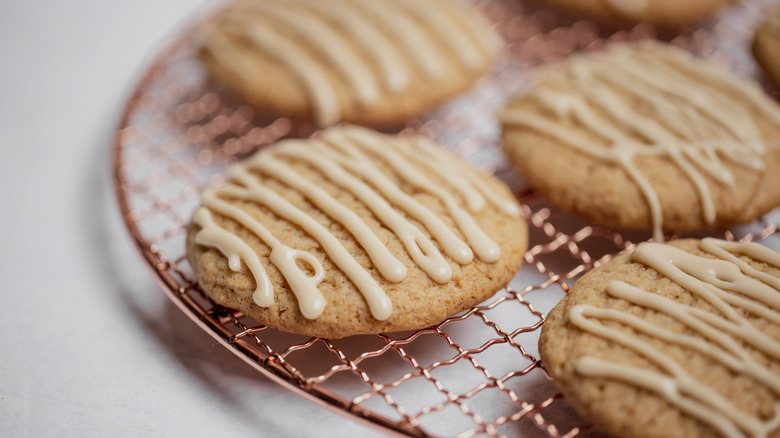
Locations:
90 345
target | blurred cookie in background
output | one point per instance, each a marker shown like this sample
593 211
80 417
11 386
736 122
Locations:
661 13
647 136
373 62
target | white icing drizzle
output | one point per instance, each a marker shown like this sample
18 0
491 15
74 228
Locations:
373 46
310 73
388 266
442 24
236 250
726 283
486 249
420 248
684 114
413 39
346 158
326 40
470 186
475 24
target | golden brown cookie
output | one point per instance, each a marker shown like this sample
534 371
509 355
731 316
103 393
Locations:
766 44
355 232
645 136
676 340
376 62
662 13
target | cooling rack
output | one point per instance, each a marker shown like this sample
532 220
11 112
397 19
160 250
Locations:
476 373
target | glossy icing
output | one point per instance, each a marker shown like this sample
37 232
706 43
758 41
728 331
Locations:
347 157
680 108
373 47
733 289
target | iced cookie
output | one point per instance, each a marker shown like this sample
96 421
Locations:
646 136
662 13
376 62
355 232
766 44
675 340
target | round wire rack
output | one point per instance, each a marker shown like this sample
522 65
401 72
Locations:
476 373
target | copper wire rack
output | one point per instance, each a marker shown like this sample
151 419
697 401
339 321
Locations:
476 373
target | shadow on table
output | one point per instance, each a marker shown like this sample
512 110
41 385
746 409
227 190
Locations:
225 376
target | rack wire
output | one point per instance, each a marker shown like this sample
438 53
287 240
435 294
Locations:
476 373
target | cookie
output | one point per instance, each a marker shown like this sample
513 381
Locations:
661 13
673 340
372 62
766 44
355 232
646 136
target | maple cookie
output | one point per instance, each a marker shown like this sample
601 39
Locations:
646 136
673 340
375 62
766 44
355 232
662 13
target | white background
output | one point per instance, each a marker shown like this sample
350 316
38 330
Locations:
89 345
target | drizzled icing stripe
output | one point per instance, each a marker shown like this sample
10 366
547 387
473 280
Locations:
485 248
374 43
457 41
373 46
726 283
287 53
346 157
325 39
420 248
388 266
686 115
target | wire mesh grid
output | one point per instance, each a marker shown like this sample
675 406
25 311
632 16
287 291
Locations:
476 373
